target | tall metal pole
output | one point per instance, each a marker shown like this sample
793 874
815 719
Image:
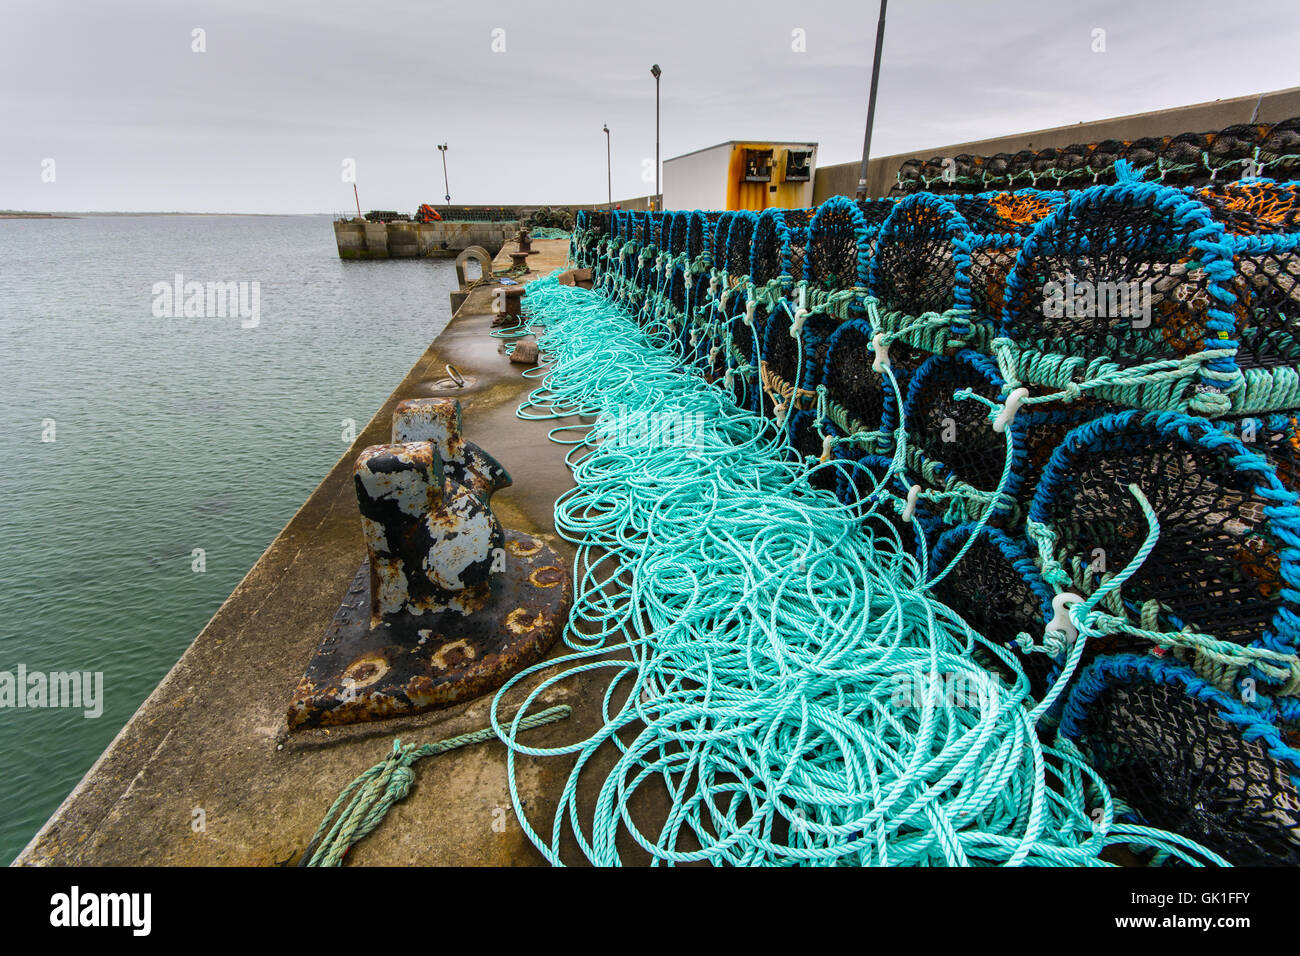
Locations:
446 188
655 71
871 103
609 168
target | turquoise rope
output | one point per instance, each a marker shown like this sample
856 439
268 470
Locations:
374 792
776 668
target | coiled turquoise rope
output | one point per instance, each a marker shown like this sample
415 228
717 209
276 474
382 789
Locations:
775 669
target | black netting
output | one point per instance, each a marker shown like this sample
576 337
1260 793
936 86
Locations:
835 254
677 290
1216 564
914 271
1111 278
780 349
866 395
957 435
698 235
718 248
798 252
677 234
1174 759
767 248
738 242
990 589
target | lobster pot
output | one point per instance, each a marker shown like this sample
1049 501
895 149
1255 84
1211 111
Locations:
643 228
952 445
577 238
1279 154
743 347
627 262
865 480
606 264
595 227
1190 159
798 245
679 225
1276 436
797 223
997 589
1189 758
841 237
739 237
676 295
806 442
1221 566
718 243
781 358
1263 221
1134 274
951 257
919 251
699 237
769 252
705 330
658 236
787 363
1000 222
860 399
643 279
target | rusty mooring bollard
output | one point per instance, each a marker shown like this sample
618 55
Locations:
448 604
525 352
508 300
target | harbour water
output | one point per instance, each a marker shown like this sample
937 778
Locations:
154 445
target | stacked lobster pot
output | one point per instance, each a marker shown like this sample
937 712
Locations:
1172 512
937 283
826 405
1189 159
1081 413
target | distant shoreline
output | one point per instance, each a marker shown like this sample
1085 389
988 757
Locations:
24 214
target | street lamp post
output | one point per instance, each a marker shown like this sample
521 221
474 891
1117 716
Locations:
446 188
609 168
655 72
871 102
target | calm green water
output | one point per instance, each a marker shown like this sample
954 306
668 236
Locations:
170 435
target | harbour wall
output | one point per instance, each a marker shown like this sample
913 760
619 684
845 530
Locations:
882 173
358 239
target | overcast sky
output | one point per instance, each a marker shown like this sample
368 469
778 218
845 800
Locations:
287 90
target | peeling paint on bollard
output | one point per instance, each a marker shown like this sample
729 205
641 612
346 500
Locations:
448 605
437 420
431 541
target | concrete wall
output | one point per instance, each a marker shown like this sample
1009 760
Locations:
636 204
410 240
842 179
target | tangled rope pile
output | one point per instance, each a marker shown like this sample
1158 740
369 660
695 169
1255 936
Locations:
778 674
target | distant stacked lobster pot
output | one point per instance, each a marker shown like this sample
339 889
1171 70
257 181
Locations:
1091 397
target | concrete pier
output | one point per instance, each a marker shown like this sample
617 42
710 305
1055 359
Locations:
213 738
359 239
